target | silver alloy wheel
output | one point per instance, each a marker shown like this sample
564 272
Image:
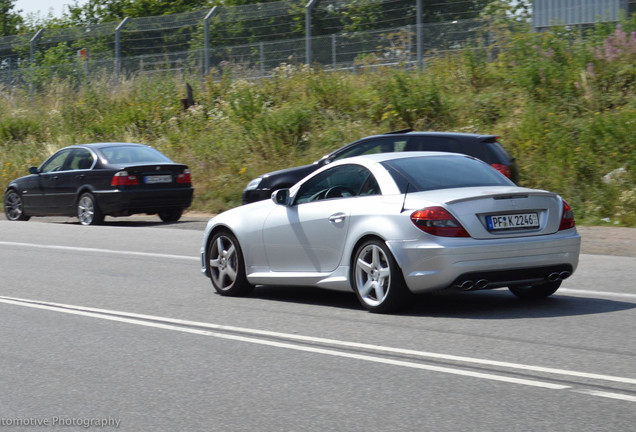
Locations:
86 210
13 206
223 263
372 275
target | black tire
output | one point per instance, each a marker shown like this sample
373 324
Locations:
226 266
170 215
377 279
14 206
535 291
88 211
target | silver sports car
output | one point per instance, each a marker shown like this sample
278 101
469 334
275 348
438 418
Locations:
390 225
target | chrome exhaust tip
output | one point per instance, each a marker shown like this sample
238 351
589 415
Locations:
467 285
564 275
481 284
553 277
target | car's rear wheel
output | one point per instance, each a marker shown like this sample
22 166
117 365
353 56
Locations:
535 291
226 266
377 279
170 215
88 211
14 206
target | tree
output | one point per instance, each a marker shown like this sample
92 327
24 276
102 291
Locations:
9 21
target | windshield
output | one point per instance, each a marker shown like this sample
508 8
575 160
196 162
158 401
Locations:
442 172
133 154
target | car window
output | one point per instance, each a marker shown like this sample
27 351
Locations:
55 162
442 172
133 154
500 153
434 143
377 145
338 182
80 159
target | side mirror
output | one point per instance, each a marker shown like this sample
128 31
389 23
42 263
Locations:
34 170
281 197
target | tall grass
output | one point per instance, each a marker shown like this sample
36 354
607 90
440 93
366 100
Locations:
563 105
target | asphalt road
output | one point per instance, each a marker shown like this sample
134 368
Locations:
115 324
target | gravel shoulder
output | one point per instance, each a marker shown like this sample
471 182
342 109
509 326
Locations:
599 240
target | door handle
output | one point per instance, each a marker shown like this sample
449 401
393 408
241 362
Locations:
337 217
80 176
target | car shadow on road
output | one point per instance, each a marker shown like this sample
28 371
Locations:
501 304
490 304
307 295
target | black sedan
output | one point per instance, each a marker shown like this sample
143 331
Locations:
91 181
484 147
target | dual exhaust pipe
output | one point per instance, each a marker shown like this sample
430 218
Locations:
480 284
557 276
469 285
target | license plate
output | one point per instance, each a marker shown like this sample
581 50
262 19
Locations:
511 221
153 179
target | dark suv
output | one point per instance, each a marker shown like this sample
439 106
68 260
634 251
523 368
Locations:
484 147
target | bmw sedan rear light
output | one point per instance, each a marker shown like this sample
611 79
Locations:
439 222
185 177
122 178
504 169
567 220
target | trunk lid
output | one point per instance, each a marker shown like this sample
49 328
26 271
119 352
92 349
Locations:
157 176
498 212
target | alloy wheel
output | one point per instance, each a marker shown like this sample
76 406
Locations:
13 206
223 263
372 275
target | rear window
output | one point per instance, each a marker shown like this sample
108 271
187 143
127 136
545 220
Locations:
442 172
133 154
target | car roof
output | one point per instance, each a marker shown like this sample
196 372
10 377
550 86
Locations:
370 159
107 144
409 133
440 134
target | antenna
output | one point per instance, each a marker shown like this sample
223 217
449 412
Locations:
405 193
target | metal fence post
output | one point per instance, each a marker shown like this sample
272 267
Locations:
333 50
118 47
308 9
206 53
418 32
34 39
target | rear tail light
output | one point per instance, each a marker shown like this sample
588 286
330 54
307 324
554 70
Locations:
504 169
186 177
122 178
567 220
439 222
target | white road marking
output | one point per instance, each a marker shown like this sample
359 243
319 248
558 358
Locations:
588 293
96 250
180 325
609 395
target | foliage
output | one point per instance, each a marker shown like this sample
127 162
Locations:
10 20
563 102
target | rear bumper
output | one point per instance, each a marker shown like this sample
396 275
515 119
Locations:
432 267
126 202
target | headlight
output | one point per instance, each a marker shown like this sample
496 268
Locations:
253 184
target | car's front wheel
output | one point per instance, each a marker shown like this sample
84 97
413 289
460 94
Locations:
226 266
377 279
88 211
535 291
14 206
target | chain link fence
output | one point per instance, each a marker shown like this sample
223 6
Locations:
251 39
